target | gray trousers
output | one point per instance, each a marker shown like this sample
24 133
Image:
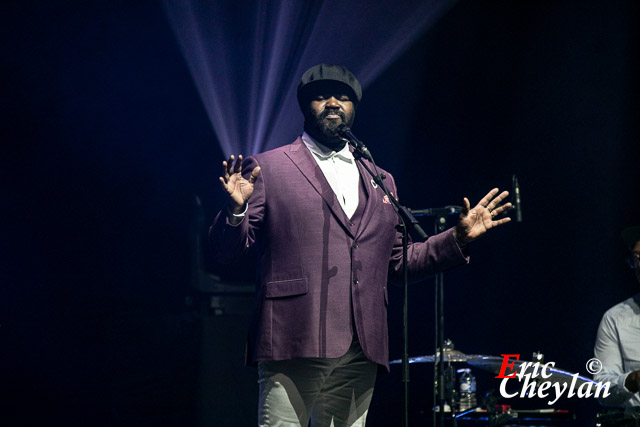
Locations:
326 392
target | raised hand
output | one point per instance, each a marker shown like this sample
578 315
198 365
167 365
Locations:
237 187
475 222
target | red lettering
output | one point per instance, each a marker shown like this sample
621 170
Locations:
505 364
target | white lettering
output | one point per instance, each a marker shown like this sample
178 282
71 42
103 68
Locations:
535 367
503 389
523 370
546 366
604 387
559 392
543 387
573 385
582 393
528 389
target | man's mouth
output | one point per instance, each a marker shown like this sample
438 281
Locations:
333 114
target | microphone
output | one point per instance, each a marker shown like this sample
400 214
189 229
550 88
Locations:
447 210
345 132
517 204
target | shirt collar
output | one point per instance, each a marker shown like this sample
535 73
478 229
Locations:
324 152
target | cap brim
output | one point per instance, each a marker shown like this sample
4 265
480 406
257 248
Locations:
318 87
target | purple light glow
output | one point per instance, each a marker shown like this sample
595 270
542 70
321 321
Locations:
246 57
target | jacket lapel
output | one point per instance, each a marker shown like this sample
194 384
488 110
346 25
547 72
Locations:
304 161
374 197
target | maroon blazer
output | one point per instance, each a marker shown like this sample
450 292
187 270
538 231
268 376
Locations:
320 277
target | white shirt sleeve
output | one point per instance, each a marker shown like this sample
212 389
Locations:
607 350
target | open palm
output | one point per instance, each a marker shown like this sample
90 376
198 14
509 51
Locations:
475 222
237 187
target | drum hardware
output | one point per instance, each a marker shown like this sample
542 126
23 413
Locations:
450 355
494 363
497 415
629 417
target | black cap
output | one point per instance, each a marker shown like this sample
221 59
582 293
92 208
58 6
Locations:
631 235
314 77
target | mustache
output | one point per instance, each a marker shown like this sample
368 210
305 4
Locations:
335 111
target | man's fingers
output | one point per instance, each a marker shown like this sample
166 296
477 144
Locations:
238 168
500 209
487 199
466 206
495 202
229 165
254 174
225 171
224 183
501 221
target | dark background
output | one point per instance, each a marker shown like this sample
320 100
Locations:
105 145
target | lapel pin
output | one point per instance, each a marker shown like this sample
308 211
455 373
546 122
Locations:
373 183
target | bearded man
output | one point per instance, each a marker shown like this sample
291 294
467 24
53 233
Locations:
327 244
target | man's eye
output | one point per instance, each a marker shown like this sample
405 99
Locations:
344 98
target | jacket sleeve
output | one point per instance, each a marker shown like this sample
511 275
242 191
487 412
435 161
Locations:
229 241
438 253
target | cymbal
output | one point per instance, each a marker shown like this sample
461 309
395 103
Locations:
449 356
494 364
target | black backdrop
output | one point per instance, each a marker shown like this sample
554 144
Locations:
105 143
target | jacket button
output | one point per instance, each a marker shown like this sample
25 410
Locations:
356 281
355 246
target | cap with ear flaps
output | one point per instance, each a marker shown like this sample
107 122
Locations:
323 75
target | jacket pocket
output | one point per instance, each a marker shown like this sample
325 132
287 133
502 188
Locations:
286 288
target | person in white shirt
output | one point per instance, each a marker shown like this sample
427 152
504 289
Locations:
618 341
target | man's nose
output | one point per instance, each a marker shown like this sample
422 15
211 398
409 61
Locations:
332 102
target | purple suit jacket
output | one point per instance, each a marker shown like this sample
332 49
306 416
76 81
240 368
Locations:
319 279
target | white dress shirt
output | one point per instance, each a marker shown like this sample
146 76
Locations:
618 348
340 170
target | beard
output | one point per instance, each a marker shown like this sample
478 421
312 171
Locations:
325 130
328 127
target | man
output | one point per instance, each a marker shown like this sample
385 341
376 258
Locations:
618 341
327 243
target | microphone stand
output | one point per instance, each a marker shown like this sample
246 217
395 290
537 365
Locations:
407 223
440 390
